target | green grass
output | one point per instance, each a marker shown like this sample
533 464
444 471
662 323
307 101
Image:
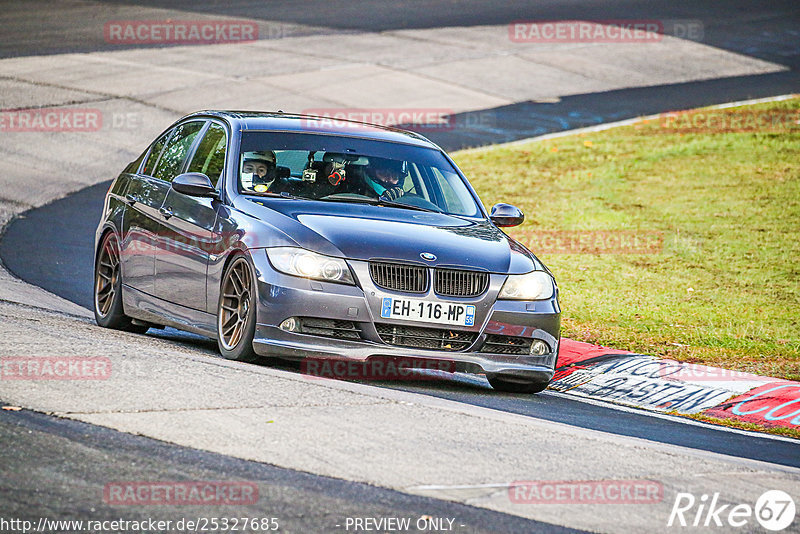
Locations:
724 288
753 427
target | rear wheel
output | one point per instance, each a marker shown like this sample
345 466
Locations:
515 385
236 312
108 311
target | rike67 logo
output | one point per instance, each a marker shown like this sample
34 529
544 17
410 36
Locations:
774 510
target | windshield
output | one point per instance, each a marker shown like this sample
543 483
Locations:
344 169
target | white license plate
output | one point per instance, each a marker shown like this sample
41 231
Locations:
430 312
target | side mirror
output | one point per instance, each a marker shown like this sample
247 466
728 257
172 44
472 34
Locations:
506 215
194 184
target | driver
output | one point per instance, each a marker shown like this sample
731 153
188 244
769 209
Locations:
386 177
258 170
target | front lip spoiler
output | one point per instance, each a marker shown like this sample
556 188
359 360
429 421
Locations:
271 342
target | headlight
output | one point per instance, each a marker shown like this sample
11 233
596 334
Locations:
307 264
537 285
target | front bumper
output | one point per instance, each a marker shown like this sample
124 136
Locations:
282 296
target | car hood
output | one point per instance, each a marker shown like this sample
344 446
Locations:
366 232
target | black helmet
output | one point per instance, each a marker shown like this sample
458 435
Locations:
394 166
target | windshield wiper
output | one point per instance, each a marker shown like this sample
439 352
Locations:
379 202
283 194
394 204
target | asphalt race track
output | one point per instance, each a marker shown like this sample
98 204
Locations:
80 455
67 271
303 502
764 30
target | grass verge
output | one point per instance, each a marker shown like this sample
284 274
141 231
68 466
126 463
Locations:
733 423
721 191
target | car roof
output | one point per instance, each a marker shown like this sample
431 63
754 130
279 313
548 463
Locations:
290 122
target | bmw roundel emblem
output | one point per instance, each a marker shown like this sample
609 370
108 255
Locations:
427 256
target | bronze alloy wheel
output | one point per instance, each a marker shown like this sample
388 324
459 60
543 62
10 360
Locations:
235 303
108 309
106 279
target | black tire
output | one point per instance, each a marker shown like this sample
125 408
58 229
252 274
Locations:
515 385
236 312
108 309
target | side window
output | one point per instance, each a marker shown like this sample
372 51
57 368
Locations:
418 183
133 166
210 155
152 159
451 198
171 162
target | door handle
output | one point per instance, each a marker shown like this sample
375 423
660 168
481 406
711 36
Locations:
166 212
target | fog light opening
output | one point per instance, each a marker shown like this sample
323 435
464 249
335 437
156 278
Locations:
539 347
290 325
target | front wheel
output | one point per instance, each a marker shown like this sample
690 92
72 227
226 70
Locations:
514 385
236 312
108 311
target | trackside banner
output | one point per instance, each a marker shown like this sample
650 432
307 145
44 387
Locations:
667 385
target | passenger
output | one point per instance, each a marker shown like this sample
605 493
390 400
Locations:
258 170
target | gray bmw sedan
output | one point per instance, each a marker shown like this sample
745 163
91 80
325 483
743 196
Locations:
304 237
